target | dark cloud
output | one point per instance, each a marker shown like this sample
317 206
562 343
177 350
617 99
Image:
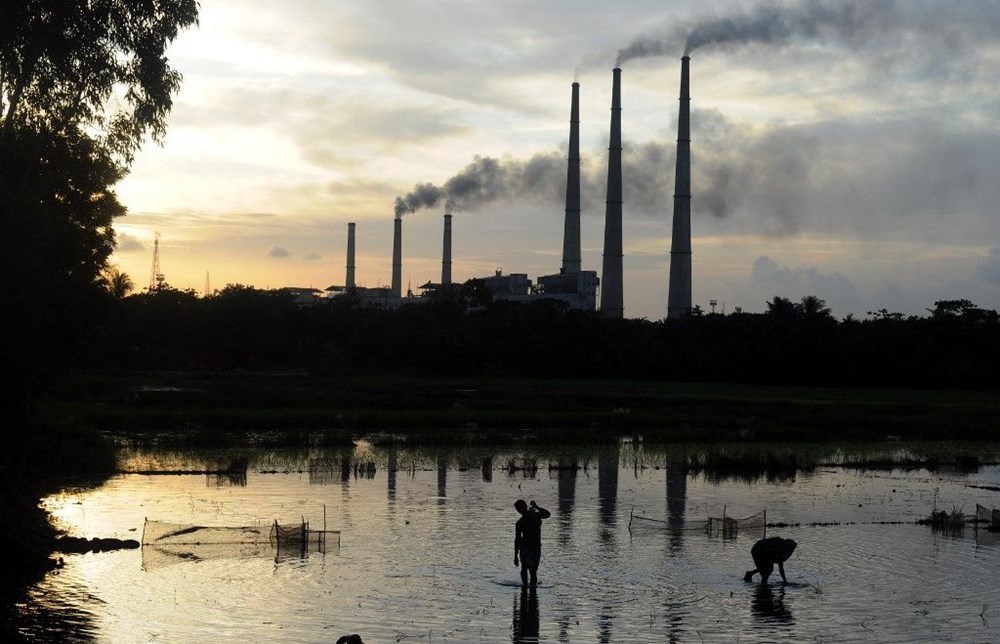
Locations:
279 252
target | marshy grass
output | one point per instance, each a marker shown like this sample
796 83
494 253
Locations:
206 406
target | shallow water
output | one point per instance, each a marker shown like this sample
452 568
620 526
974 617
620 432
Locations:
426 552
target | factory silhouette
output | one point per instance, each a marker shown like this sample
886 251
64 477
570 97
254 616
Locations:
574 286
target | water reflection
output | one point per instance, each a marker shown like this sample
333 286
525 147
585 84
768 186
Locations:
442 478
345 468
607 472
677 476
524 627
406 569
768 605
566 469
390 481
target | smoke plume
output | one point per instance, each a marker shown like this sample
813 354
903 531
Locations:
855 23
487 180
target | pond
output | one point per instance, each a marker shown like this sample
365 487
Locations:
425 549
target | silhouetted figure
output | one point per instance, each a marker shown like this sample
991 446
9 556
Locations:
350 639
528 539
766 553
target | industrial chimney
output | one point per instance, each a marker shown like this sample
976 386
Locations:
679 295
446 252
350 256
397 257
571 230
612 305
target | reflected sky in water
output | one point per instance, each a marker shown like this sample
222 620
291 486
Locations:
426 551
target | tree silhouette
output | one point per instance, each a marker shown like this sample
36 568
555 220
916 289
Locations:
813 308
118 282
82 86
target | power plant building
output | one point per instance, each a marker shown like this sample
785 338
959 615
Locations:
576 287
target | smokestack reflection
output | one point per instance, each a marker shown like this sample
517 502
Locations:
677 474
567 470
607 490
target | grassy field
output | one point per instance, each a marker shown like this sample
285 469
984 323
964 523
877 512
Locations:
206 407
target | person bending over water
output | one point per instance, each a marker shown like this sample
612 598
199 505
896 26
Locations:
766 553
528 539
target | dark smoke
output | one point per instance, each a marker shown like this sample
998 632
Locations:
772 24
855 23
423 195
487 180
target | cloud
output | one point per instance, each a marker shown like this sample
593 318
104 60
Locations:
989 268
279 252
795 283
128 244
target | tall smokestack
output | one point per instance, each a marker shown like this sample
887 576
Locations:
349 283
571 230
679 295
446 252
612 305
397 257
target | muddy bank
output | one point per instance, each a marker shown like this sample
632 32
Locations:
41 455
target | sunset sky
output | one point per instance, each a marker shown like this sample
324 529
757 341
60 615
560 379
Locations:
847 150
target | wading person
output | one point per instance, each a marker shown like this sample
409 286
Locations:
766 553
528 539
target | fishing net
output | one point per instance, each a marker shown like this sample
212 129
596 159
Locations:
725 526
164 543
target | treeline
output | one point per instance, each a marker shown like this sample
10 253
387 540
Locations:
955 345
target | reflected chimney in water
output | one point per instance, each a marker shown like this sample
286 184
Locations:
345 468
607 490
442 472
567 496
393 465
677 474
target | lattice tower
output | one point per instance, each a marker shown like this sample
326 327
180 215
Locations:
156 276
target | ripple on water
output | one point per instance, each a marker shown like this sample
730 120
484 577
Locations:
430 556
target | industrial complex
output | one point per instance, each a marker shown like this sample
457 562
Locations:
577 287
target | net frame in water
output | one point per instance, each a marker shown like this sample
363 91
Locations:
188 542
726 526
